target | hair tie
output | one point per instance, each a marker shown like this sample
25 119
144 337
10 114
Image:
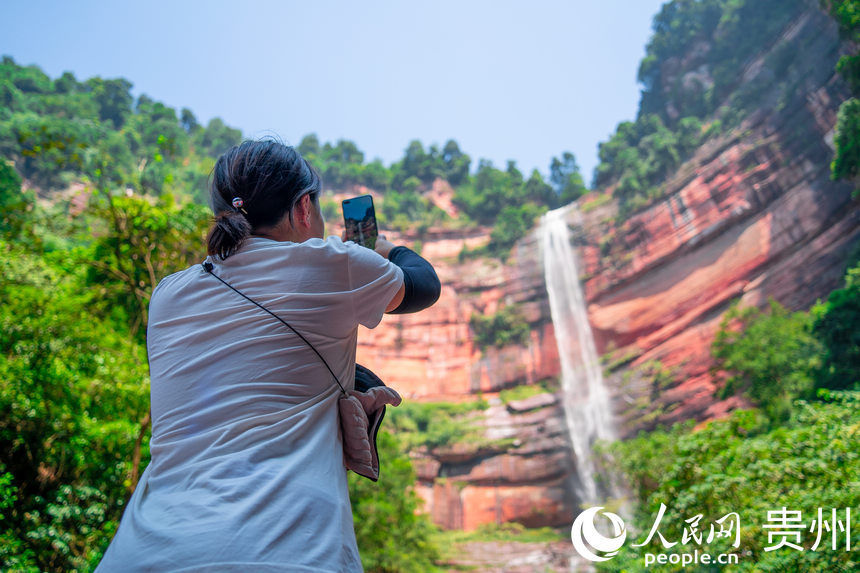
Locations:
237 204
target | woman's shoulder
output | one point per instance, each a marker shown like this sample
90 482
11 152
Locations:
332 243
174 278
335 246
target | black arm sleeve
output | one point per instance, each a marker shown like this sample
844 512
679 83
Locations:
419 279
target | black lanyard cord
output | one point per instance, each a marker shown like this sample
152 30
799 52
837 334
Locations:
207 266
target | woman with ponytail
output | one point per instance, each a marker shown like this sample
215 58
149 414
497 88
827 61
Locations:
247 470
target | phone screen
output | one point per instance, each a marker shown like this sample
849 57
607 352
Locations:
360 221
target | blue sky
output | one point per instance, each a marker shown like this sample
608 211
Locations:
507 80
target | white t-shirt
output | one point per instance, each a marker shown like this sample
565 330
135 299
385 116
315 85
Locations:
247 470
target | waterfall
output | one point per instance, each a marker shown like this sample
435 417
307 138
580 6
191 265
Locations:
586 402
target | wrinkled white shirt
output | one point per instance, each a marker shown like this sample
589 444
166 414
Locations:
247 466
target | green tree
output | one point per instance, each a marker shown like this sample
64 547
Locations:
44 147
216 138
456 163
392 533
57 133
417 163
27 79
537 191
566 179
771 356
343 163
14 202
742 464
159 128
506 326
189 121
309 147
139 241
376 176
835 325
846 161
490 192
113 98
70 386
67 84
512 224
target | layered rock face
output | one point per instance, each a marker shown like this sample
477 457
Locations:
753 214
431 355
528 481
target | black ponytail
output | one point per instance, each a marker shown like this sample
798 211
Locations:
226 236
269 177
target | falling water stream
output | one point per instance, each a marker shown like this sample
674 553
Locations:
586 402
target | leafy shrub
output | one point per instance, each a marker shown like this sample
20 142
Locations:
835 326
435 424
391 531
507 326
739 465
771 356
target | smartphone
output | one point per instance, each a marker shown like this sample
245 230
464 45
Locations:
359 217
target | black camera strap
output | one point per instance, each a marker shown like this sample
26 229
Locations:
207 266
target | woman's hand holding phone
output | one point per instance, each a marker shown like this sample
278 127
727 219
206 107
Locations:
383 246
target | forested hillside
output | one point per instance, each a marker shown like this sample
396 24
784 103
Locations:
104 194
708 66
713 69
58 132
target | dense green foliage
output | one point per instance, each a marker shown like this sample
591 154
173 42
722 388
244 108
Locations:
777 356
55 131
502 199
798 450
73 386
435 424
742 464
642 154
138 242
711 42
406 208
846 162
771 355
13 202
511 203
566 179
719 36
836 328
492 190
392 533
505 326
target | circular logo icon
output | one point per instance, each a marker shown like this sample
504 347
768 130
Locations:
584 534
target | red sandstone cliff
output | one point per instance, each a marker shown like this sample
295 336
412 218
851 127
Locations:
752 214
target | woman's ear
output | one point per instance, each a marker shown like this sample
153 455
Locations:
304 211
